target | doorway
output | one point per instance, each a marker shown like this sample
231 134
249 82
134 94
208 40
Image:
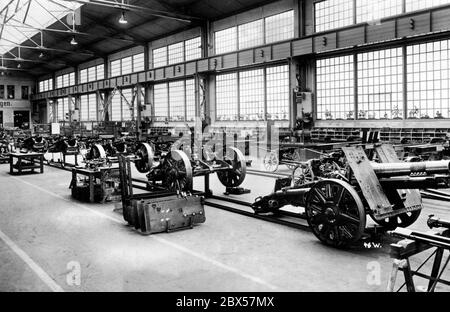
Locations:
22 119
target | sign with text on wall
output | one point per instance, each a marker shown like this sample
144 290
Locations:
5 104
15 104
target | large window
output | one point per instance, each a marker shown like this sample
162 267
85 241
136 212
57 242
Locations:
175 101
65 80
94 73
368 10
11 92
176 53
160 57
88 107
127 65
225 40
413 5
251 95
193 49
428 80
278 93
227 97
251 34
331 14
161 101
335 88
280 27
242 95
380 84
63 109
46 85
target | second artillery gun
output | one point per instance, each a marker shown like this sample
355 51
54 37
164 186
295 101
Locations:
339 191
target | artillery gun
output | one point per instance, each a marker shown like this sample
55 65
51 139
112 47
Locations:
339 191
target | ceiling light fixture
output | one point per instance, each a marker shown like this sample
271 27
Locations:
122 19
73 41
41 55
19 65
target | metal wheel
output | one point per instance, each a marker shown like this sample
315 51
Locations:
145 155
335 213
236 174
271 161
97 151
177 171
302 174
402 220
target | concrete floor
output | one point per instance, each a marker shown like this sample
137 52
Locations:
43 232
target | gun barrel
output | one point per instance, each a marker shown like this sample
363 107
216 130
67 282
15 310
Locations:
406 168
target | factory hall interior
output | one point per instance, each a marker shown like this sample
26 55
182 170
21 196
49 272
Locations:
261 146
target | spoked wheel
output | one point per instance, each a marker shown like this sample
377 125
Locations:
145 155
302 174
402 220
271 161
236 174
177 172
335 213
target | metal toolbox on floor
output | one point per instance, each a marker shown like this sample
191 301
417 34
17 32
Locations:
164 214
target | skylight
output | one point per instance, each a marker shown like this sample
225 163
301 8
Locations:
24 18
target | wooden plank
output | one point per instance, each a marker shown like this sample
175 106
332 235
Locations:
230 60
179 70
380 32
190 68
302 47
263 54
281 51
215 63
368 181
440 20
245 58
325 42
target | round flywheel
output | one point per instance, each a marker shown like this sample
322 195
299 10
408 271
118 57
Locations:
145 156
335 213
177 172
271 161
234 176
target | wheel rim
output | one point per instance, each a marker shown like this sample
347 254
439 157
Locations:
401 220
145 155
177 171
302 174
335 213
236 174
271 162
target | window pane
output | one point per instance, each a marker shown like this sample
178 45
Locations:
127 65
278 92
160 57
369 10
413 5
380 84
176 53
84 76
115 68
100 72
280 27
176 101
127 97
138 62
92 99
161 102
91 74
84 108
335 88
332 14
251 95
428 78
227 97
193 49
225 40
251 34
190 100
116 110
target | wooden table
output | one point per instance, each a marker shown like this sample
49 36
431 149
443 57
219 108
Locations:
28 164
93 175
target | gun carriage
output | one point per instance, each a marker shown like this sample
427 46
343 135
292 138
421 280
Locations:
339 191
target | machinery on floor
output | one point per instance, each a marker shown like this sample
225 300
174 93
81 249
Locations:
414 243
339 190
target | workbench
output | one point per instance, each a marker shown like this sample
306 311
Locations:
26 161
98 188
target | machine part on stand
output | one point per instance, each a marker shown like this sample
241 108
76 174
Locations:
238 169
177 172
97 151
145 155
